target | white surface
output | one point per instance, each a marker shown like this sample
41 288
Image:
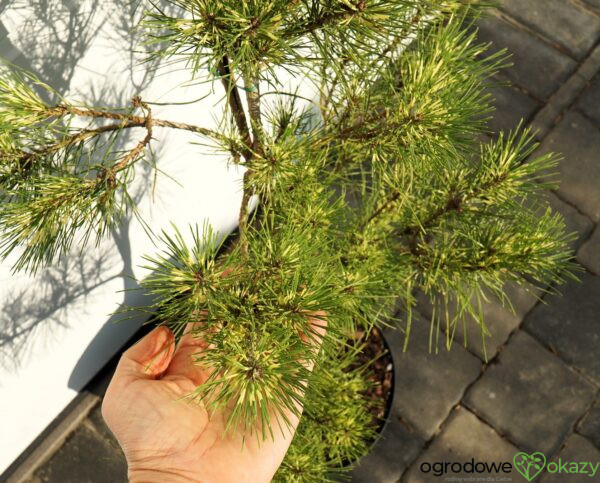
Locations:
69 306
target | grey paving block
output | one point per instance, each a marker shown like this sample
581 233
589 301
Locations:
570 324
511 106
84 458
579 142
567 94
530 395
575 222
463 437
420 373
576 449
589 253
95 418
588 69
593 3
589 102
500 318
537 66
560 21
589 426
390 457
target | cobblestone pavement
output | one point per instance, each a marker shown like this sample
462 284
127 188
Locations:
539 389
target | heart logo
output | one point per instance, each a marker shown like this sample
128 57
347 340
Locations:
529 465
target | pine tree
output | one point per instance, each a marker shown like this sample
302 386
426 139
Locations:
380 190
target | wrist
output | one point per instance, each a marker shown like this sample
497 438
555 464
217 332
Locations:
143 475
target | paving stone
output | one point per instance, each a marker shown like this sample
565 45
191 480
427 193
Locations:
84 458
570 324
95 417
560 21
593 3
579 142
589 102
589 426
588 69
463 437
420 371
500 319
537 67
575 222
561 100
391 455
576 449
589 254
511 106
530 395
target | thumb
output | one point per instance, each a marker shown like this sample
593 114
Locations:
149 357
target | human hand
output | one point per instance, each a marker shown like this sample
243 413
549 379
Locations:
169 439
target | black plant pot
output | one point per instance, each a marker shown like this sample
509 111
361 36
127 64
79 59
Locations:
388 457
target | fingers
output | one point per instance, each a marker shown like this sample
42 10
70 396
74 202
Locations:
191 345
148 358
189 338
318 325
183 363
318 322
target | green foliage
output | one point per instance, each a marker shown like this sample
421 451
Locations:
183 279
58 184
21 104
255 36
44 216
258 313
249 33
59 180
337 426
26 122
428 103
376 193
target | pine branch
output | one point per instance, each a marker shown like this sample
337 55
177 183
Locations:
506 176
356 133
382 208
131 121
254 110
382 56
239 114
235 103
258 135
455 203
244 208
329 19
25 160
45 216
503 166
141 146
